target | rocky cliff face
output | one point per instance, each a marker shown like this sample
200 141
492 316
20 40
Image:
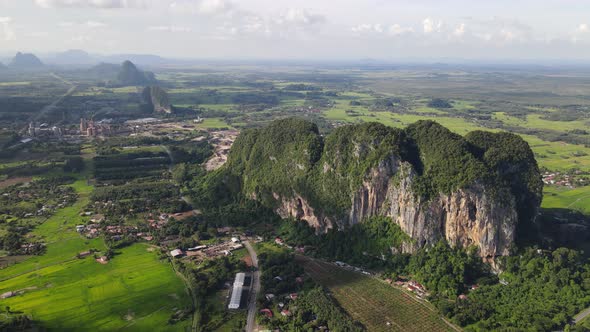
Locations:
434 184
463 218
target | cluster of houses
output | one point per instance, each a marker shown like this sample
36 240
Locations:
282 305
22 195
30 248
102 259
210 251
565 180
283 302
160 222
411 286
116 232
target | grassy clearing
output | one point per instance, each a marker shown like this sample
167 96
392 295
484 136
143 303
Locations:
374 303
213 123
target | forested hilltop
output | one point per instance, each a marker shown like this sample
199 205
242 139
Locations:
433 183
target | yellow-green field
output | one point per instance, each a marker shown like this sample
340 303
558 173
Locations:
134 291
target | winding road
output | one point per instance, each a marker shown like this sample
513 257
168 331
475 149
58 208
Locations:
251 320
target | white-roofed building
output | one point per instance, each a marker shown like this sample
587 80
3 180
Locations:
240 277
236 294
176 253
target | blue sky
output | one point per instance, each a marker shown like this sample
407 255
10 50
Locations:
318 29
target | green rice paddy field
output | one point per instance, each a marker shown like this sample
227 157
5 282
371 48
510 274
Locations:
135 291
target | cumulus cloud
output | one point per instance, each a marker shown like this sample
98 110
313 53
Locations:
203 7
301 17
107 4
170 28
215 6
430 26
80 39
583 28
87 24
396 30
379 29
367 28
459 30
6 31
95 24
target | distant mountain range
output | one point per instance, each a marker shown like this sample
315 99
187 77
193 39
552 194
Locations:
124 74
77 59
81 58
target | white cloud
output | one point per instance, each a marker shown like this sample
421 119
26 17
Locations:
80 39
583 28
396 30
460 30
300 17
107 4
171 28
6 31
87 24
95 24
430 26
367 28
215 6
203 7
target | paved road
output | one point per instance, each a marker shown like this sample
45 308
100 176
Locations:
251 321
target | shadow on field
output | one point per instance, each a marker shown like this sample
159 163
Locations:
327 274
564 228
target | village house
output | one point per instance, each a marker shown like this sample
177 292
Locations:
7 295
84 254
176 253
266 312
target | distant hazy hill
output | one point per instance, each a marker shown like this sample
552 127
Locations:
73 57
105 70
140 59
26 61
129 74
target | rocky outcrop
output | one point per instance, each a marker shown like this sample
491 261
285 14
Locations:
466 217
480 190
297 207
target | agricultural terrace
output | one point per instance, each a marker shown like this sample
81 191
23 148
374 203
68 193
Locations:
378 306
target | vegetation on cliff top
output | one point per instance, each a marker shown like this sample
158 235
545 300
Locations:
290 156
129 74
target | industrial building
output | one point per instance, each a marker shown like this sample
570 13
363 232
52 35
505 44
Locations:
236 294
